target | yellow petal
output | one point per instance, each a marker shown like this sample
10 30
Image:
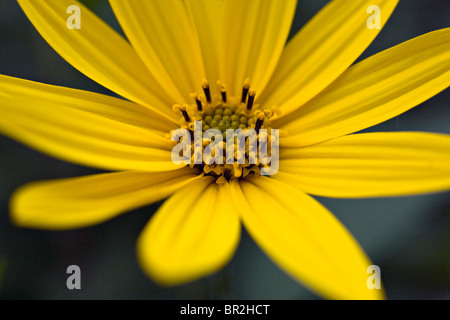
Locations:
163 36
57 125
97 51
370 164
303 238
374 90
322 50
254 35
207 19
193 234
109 107
85 201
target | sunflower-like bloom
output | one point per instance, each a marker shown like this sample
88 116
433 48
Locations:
226 64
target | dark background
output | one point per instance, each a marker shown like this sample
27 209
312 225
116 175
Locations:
408 237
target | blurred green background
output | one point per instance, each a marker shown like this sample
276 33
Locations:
408 237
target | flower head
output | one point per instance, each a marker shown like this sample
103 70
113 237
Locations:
225 64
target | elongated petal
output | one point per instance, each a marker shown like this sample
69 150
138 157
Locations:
163 36
98 104
55 125
97 51
85 201
207 18
374 90
254 35
322 50
303 238
370 164
193 234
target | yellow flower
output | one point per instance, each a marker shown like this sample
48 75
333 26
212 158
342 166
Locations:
308 89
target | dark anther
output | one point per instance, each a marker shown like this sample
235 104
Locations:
251 99
199 104
185 115
205 87
224 95
244 92
258 124
228 174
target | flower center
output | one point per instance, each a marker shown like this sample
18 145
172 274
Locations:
227 137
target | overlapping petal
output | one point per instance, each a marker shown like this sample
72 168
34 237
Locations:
303 238
99 52
322 50
98 104
253 37
370 164
81 127
374 90
193 234
207 18
165 39
85 201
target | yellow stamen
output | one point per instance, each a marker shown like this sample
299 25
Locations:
222 112
183 109
198 102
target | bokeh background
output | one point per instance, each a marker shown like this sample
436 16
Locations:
408 237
